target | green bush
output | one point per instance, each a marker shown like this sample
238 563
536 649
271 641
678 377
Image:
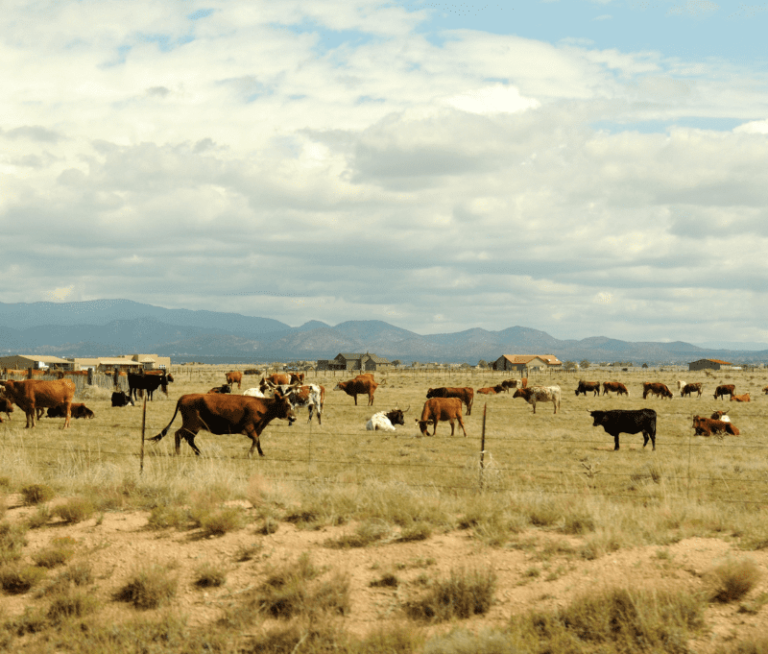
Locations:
732 580
17 579
58 553
75 510
221 522
12 541
37 493
75 604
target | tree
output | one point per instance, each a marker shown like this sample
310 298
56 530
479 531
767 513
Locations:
584 364
569 365
482 363
397 362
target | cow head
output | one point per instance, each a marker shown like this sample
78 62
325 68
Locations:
396 416
284 408
598 417
341 386
423 426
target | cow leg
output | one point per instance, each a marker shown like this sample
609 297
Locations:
469 407
254 436
615 442
452 425
355 396
189 436
68 415
461 422
30 419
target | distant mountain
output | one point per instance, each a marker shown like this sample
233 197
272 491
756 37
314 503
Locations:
105 327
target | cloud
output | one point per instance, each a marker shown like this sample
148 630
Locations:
694 8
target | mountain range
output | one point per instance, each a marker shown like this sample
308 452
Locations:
109 327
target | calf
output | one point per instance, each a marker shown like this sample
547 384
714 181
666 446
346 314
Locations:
740 398
615 387
78 411
441 408
386 420
536 394
709 426
6 407
120 398
627 421
724 389
656 388
688 389
587 386
221 390
491 390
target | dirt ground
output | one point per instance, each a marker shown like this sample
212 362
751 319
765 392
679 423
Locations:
540 570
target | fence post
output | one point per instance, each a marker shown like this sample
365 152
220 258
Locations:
482 448
143 426
90 376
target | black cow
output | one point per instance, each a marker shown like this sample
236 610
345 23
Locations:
120 398
586 386
629 422
148 383
77 410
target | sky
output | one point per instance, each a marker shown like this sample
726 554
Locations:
583 167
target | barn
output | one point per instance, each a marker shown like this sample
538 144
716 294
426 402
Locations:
709 364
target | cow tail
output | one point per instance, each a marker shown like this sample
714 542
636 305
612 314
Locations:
162 434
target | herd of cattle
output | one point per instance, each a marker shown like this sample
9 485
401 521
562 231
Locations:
278 396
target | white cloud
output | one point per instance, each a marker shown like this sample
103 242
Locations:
494 99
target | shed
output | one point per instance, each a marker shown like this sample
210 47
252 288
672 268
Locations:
522 363
708 364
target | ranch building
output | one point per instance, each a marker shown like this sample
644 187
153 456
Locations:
34 361
709 364
524 363
354 361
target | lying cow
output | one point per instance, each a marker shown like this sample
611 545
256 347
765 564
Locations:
491 390
386 420
721 415
465 394
255 392
626 421
740 398
724 389
587 386
441 408
688 389
535 394
120 398
78 410
615 387
656 388
709 426
221 390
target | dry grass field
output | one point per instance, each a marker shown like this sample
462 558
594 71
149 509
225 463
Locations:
341 539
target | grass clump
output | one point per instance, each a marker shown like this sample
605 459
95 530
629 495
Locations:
365 534
17 579
210 575
167 517
37 494
58 553
248 552
415 532
218 523
75 510
74 604
732 580
464 594
40 517
466 642
12 541
387 580
150 587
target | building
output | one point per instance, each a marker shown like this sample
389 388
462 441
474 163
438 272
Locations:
35 361
708 364
354 361
132 362
524 363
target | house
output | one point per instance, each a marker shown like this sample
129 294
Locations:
524 363
124 362
353 361
708 364
34 361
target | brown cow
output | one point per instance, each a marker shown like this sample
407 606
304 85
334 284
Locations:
709 426
33 393
360 385
491 390
441 408
724 389
615 387
740 398
297 378
656 388
78 410
466 395
765 390
6 407
277 378
688 389
234 377
227 414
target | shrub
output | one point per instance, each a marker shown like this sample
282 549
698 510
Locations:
149 587
248 552
210 575
221 522
37 493
17 579
72 605
58 553
12 541
74 510
415 532
40 517
387 580
167 517
366 534
464 594
732 580
269 526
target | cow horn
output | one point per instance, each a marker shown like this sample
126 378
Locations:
408 409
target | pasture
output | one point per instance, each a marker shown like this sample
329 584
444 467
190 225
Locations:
548 490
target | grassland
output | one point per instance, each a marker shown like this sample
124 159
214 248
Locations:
551 496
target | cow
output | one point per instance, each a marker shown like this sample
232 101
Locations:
6 407
536 394
627 421
78 410
310 395
465 394
254 392
32 394
491 390
724 389
681 385
765 390
120 398
689 389
148 383
615 387
740 398
277 378
441 408
656 388
361 385
297 378
721 415
234 377
159 373
226 414
509 383
223 389
587 386
709 426
386 420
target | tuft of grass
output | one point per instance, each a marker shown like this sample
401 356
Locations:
210 575
74 604
248 552
387 580
464 594
58 553
75 510
416 532
17 579
270 525
465 642
750 646
149 587
218 523
40 517
732 580
366 533
578 524
12 541
37 494
167 517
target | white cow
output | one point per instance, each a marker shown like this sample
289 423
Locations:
379 421
681 385
254 392
534 394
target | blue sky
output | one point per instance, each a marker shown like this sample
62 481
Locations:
582 167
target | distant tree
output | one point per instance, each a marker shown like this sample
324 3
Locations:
482 363
645 365
397 362
584 364
569 365
465 365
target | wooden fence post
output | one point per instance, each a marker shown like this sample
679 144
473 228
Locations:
482 448
143 426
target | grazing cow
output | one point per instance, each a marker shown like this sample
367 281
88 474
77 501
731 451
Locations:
615 387
740 398
627 421
6 407
311 396
120 398
78 410
32 394
277 379
536 394
148 383
724 389
466 395
721 415
223 389
226 414
709 426
361 385
688 389
386 420
656 388
586 386
234 377
491 390
441 408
